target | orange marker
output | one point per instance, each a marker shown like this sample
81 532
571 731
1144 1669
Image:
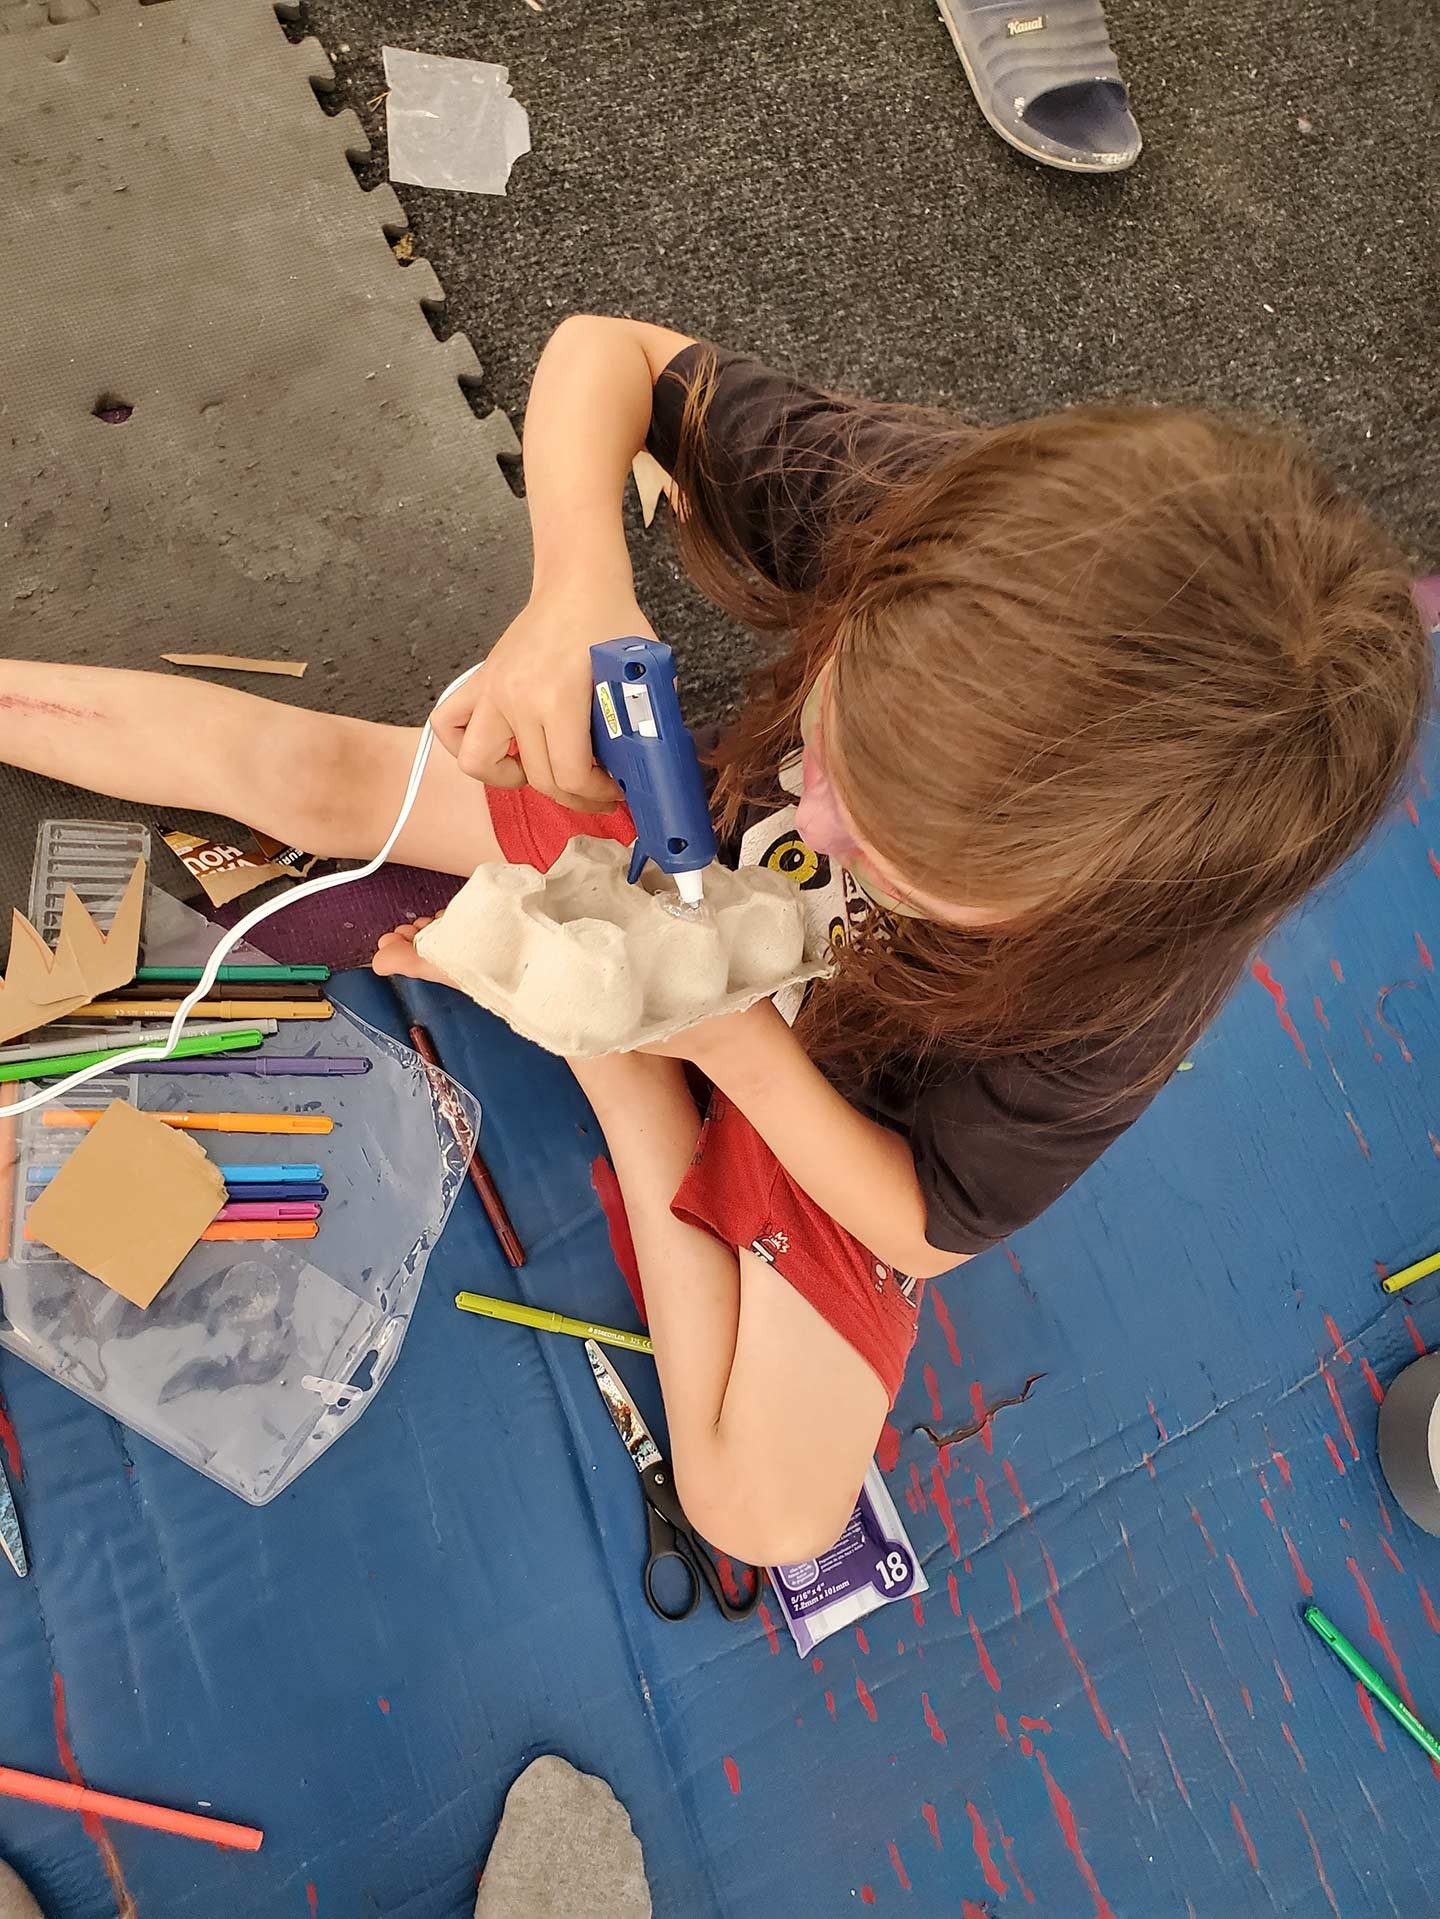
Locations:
76 1116
251 1229
135 1812
242 1009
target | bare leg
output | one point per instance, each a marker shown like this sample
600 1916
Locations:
329 784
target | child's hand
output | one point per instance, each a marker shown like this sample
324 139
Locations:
524 718
396 958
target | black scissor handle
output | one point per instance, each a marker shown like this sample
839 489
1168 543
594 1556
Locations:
658 1558
672 1537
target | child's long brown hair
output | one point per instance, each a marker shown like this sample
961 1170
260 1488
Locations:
1140 678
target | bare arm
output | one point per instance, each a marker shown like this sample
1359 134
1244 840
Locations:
772 1415
588 416
859 1171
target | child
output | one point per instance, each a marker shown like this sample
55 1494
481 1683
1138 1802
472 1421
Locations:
1075 709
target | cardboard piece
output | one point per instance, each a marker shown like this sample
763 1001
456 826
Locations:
226 871
652 483
583 963
237 663
41 986
129 1203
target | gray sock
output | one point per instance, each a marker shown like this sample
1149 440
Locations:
15 1899
565 1850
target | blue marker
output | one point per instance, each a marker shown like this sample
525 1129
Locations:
232 1175
647 749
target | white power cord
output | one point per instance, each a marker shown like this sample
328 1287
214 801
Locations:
158 1050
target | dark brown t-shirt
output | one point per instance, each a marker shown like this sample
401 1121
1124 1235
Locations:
995 1142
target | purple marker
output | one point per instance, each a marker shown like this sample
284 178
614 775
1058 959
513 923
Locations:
277 1067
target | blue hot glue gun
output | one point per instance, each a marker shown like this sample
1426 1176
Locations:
647 749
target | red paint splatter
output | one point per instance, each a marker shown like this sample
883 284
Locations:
1209 1543
867 1895
1354 1125
1247 1701
830 1702
1432 1618
1367 1371
1342 1351
92 1826
860 1640
1424 952
1434 863
312 1898
732 1773
1159 1422
953 1587
980 1840
1334 1451
1417 1338
1240 1585
932 1820
1284 1683
1391 1554
1284 1466
1070 1833
915 1491
1057 1619
940 1499
862 1693
1338 1404
984 1503
726 1570
1246 1841
1027 1745
384 1705
969 1910
1307 1591
1002 1726
1175 1770
897 1865
1335 969
622 1244
772 1638
1319 1005
1268 1510
1290 1742
978 1408
1325 1886
1035 1725
11 1442
987 1664
1014 1592
1121 1743
917 1607
1224 1742
1367 1707
1378 1631
1262 974
1014 1484
888 1451
1410 810
1015 1265
947 1325
932 1724
932 1388
1007 1846
817 1665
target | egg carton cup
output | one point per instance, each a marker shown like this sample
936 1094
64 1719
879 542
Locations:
583 963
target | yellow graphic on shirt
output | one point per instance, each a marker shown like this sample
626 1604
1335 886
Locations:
791 856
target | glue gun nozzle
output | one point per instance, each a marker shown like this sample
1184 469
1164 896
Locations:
691 888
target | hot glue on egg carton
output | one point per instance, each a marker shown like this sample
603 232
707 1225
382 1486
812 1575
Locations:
870 1564
583 963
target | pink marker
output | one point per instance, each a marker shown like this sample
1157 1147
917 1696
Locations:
270 1209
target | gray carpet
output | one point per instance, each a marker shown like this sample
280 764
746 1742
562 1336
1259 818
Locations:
810 181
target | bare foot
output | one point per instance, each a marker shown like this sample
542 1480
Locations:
396 958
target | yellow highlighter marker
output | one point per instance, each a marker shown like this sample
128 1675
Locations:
543 1322
1407 1276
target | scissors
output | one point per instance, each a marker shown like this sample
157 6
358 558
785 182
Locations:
671 1535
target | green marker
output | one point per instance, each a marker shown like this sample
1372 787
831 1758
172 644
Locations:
187 975
1360 1666
196 1046
544 1322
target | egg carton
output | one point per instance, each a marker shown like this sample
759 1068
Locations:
583 963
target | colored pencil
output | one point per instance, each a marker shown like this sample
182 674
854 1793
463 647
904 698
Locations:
253 1229
269 1209
270 1066
233 975
71 1117
249 1174
146 990
480 1176
133 1812
208 1009
142 1036
58 1065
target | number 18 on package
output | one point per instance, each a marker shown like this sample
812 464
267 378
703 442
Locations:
870 1564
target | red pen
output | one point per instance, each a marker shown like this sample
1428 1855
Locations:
480 1176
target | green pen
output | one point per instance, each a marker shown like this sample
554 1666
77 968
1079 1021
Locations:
1360 1666
231 975
544 1322
197 1046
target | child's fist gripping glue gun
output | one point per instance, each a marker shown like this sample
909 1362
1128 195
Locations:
647 749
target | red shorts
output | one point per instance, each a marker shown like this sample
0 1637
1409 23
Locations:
735 1187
